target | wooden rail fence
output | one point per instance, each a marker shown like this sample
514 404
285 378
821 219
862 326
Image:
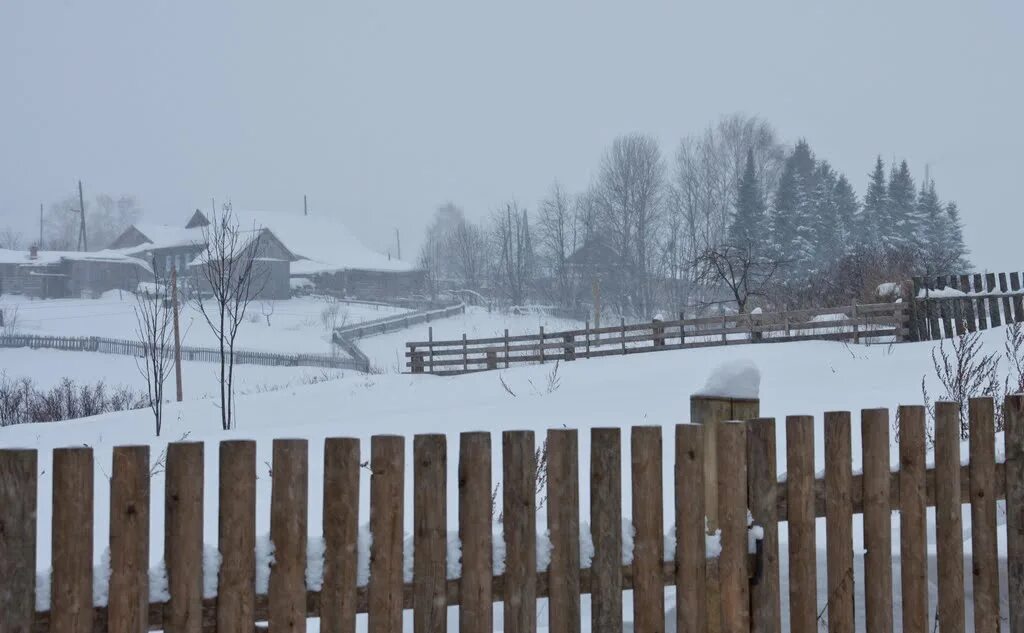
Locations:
204 354
395 322
950 305
748 586
855 323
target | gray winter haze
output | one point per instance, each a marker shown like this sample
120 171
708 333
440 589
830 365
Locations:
381 112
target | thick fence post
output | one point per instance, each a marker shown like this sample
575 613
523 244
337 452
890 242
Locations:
341 533
289 516
985 557
648 524
519 507
387 503
183 537
948 518
732 496
691 557
128 607
877 520
236 537
606 529
71 545
1014 411
475 585
762 493
838 521
913 525
430 529
563 506
18 479
803 584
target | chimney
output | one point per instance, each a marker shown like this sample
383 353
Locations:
33 252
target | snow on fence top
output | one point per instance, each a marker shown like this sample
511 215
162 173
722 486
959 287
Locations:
734 379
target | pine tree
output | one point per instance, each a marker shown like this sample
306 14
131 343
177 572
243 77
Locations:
955 240
933 237
748 219
790 238
902 234
827 227
847 209
873 219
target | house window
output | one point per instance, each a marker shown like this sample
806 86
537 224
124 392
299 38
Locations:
168 262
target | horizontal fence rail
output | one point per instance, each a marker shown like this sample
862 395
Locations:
202 354
728 582
395 322
855 324
950 305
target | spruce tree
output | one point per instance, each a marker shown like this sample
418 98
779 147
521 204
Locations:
933 236
847 209
748 220
790 238
955 239
902 236
873 220
827 228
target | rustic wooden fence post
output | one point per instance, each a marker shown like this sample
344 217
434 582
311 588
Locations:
993 302
569 347
430 530
289 516
732 497
519 509
913 526
968 304
128 605
803 584
71 544
1018 299
979 289
1014 412
387 507
236 537
838 521
658 332
877 520
691 558
948 520
564 528
183 537
475 590
648 525
985 557
465 354
18 481
341 534
1007 306
541 348
606 529
762 493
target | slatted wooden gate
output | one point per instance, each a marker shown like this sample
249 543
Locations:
745 580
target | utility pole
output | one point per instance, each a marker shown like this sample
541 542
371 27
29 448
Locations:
398 243
40 226
305 205
177 334
83 240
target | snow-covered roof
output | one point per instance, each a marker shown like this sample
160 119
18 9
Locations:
164 236
45 258
322 244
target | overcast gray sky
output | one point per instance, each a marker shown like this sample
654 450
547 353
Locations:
380 111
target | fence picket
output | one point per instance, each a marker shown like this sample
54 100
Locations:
289 515
732 517
762 486
913 526
183 537
341 533
71 547
993 302
1014 431
18 481
128 608
838 519
648 525
475 586
519 468
691 565
430 516
968 304
948 521
803 584
1018 300
1007 307
387 501
606 529
236 537
563 505
985 557
877 521
978 288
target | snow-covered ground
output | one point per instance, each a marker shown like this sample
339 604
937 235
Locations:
295 325
795 378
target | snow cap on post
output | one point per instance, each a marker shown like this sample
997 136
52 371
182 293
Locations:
738 379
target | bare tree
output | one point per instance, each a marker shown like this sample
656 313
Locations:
558 235
467 246
514 249
228 273
154 330
10 239
435 258
739 270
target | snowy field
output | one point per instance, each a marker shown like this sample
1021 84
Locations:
295 324
796 378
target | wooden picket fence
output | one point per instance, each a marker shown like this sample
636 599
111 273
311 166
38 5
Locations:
950 305
126 347
746 588
854 323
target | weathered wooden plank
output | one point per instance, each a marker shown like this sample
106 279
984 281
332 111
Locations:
71 544
236 537
519 509
838 521
948 521
648 525
18 492
430 533
475 586
183 536
732 516
387 506
913 526
970 318
985 558
1014 437
993 302
1018 299
129 541
1006 300
877 521
289 518
981 311
803 608
763 487
606 529
691 589
563 506
956 306
341 534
